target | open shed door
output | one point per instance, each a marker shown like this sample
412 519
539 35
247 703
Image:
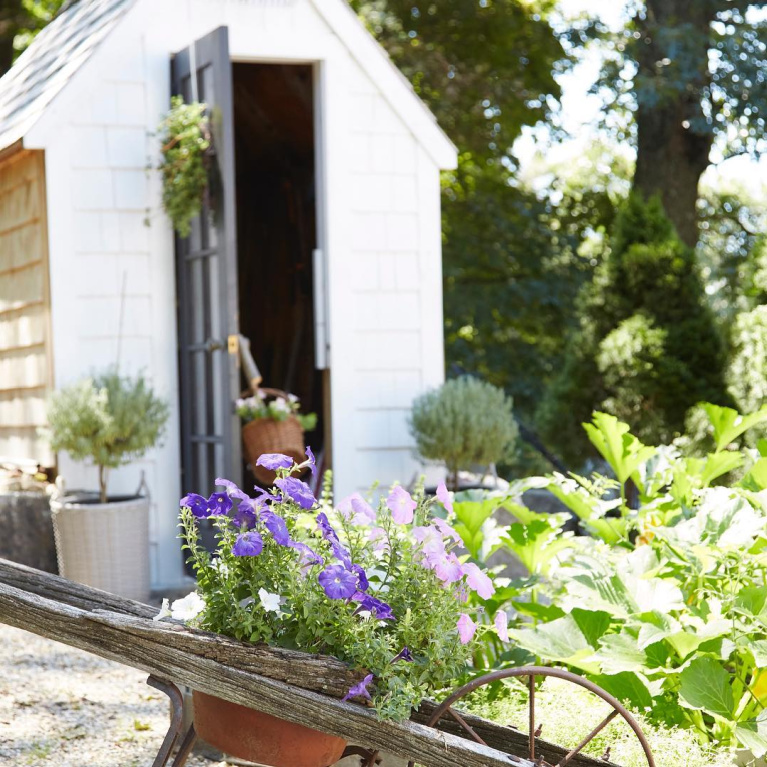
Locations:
206 273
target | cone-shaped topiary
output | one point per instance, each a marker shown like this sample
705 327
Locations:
647 349
108 419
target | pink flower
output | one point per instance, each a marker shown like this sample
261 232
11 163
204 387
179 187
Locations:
446 530
446 567
358 509
379 539
444 497
430 540
478 581
502 626
466 628
401 505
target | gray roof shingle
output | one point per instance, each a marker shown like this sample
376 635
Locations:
55 55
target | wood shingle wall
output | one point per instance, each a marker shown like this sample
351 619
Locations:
25 359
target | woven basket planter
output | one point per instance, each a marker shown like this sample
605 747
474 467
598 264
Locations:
265 435
104 545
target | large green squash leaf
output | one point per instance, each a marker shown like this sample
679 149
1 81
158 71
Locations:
705 685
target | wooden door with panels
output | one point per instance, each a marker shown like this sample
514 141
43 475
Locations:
206 274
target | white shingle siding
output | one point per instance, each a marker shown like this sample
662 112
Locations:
379 221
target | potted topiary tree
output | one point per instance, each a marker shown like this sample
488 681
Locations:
464 423
102 540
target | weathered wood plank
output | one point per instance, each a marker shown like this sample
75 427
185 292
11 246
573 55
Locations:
103 635
119 629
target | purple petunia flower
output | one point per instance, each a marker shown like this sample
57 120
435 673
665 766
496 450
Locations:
231 488
478 581
275 524
466 628
379 539
219 504
446 530
274 461
330 535
327 530
341 554
404 654
309 557
401 505
297 491
444 497
248 545
447 568
356 508
311 460
248 511
197 504
502 625
362 578
430 539
338 582
375 607
359 690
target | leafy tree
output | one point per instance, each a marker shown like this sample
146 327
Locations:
694 73
20 21
487 69
647 348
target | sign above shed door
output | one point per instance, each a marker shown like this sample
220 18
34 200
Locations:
206 274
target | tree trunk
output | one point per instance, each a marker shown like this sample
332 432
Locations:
674 140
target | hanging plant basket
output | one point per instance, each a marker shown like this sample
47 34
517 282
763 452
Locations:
187 151
269 435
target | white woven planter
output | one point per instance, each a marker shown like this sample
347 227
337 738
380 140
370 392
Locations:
104 545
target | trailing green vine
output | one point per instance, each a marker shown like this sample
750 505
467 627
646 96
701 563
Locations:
186 143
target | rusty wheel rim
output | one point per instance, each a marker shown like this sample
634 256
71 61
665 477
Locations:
532 673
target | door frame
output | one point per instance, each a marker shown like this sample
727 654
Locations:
328 212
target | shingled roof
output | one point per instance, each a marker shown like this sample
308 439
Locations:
50 61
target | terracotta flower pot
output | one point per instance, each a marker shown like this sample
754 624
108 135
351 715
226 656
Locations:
256 737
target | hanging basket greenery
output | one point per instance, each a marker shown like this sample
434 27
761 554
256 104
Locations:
186 150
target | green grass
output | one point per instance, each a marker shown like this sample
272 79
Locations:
568 713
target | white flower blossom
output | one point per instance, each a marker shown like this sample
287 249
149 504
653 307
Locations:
164 611
189 607
270 602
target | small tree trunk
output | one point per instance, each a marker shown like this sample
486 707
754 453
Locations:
673 138
103 483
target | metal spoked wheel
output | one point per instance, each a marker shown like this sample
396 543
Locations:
533 673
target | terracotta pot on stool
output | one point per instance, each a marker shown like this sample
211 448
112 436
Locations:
257 737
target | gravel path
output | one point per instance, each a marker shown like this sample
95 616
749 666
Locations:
61 706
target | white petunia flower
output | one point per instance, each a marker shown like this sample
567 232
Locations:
270 602
164 611
189 607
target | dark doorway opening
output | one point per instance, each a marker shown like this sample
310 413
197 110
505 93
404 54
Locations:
277 228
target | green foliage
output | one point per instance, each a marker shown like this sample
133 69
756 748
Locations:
186 140
107 419
726 39
234 590
465 422
510 277
456 56
747 372
20 21
647 349
665 605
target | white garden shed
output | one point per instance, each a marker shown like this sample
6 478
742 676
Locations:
325 250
